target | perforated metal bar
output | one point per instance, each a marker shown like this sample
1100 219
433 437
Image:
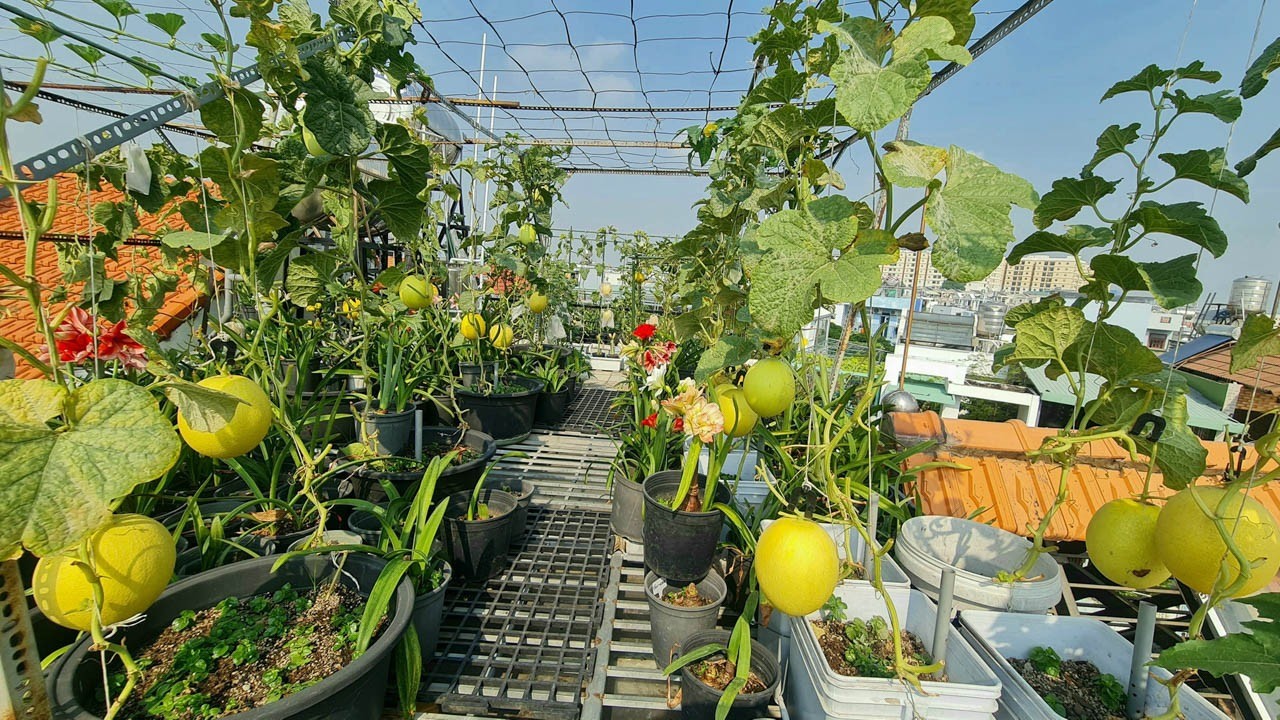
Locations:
22 693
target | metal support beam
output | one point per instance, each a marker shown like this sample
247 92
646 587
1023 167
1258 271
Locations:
22 691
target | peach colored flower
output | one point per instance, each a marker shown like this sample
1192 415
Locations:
704 420
687 395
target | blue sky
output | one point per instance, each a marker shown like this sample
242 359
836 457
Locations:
1030 105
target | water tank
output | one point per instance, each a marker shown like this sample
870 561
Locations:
991 320
1249 295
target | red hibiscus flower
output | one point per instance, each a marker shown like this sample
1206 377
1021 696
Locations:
651 421
644 331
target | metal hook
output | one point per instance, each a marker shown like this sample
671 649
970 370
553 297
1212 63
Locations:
1156 423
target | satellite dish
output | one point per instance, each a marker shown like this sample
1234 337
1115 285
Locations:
445 131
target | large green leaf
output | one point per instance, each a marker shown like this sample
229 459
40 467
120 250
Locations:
308 278
1254 651
871 96
1113 141
1256 77
1071 195
933 37
65 456
781 129
1018 313
1118 270
728 350
43 32
1046 335
1111 352
337 110
399 207
1172 282
198 241
410 160
170 23
240 122
1247 165
1207 167
784 86
911 164
1186 220
1180 456
957 12
204 409
1147 80
1072 242
1259 338
970 214
1221 104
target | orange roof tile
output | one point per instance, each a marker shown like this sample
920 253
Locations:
1216 363
1002 487
74 219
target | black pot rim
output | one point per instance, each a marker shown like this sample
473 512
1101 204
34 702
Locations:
651 500
489 448
465 497
532 387
360 405
715 603
425 598
687 675
63 672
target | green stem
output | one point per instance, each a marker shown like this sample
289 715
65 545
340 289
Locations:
100 641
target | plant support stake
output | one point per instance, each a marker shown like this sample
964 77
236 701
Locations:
873 519
942 624
1143 636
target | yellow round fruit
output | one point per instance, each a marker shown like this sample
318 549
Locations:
246 428
528 234
606 289
770 387
417 292
473 326
501 336
538 303
132 555
351 308
312 143
1121 540
739 418
640 277
1190 546
797 565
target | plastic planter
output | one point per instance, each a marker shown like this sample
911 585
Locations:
472 374
627 515
366 525
356 692
672 624
815 691
478 548
551 407
389 433
998 637
523 491
428 609
698 700
454 479
926 545
508 417
678 546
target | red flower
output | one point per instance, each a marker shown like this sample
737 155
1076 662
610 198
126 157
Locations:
75 341
678 425
644 331
657 355
651 421
377 288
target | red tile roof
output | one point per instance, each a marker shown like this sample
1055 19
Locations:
74 220
1216 363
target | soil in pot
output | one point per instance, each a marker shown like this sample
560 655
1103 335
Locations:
717 672
686 597
864 648
1075 689
244 653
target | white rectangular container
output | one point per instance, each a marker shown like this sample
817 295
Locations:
997 637
815 691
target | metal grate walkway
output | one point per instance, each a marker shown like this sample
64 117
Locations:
591 412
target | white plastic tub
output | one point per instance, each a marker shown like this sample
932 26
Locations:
997 637
927 545
816 691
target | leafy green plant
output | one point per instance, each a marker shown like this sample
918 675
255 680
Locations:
738 652
1046 661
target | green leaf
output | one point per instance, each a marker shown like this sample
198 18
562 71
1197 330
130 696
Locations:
1112 141
1186 220
957 12
1254 651
870 96
1046 335
1071 195
217 42
784 86
1147 80
781 129
308 278
203 409
911 164
1076 239
970 214
1118 270
399 207
933 37
170 23
60 481
43 32
198 241
1259 338
1111 352
1247 165
1222 104
1018 313
1207 167
234 124
1173 282
869 38
119 9
1194 70
1255 78
1180 455
336 110
90 55
409 159
727 351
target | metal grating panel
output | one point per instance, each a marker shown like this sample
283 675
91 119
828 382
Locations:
568 469
520 645
591 412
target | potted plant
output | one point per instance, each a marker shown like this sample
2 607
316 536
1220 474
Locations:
478 530
555 397
387 416
378 476
678 611
500 405
725 675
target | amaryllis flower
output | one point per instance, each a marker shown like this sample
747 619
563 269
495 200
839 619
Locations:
651 421
644 331
75 341
687 395
74 337
656 380
704 420
115 344
658 355
678 425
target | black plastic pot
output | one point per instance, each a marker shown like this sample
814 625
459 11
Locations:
310 381
551 407
390 433
671 624
472 374
678 546
478 548
438 411
356 692
456 478
506 417
523 491
698 700
428 609
627 517
366 525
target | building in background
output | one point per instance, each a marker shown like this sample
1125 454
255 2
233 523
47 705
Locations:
1033 274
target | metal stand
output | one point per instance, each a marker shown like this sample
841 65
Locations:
22 692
